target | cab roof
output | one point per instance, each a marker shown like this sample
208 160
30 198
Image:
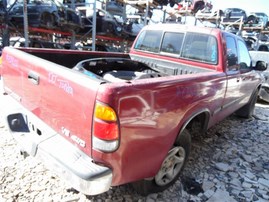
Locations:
184 28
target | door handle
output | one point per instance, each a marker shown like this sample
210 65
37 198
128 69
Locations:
33 78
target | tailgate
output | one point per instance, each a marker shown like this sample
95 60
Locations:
62 98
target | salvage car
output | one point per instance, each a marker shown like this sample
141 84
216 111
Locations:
259 18
264 91
18 42
49 14
234 14
2 12
106 24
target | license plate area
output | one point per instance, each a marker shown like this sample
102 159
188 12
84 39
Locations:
28 131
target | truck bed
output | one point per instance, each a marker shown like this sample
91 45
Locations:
114 66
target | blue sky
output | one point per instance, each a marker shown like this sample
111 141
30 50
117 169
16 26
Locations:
248 6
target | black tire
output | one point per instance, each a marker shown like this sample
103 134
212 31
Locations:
263 48
110 28
252 19
171 167
48 20
247 111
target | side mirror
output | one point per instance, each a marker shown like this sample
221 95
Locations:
261 66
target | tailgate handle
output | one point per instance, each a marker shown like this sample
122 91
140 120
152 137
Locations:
33 77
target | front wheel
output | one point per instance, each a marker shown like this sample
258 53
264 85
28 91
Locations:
170 169
247 111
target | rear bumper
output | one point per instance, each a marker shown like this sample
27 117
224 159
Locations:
74 166
59 155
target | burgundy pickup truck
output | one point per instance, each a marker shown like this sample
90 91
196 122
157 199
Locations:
106 119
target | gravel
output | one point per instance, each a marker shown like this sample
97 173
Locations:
230 163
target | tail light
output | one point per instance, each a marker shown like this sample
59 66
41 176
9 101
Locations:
105 128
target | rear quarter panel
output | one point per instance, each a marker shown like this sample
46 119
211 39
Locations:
151 114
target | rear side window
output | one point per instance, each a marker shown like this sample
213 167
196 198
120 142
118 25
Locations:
191 46
172 42
200 47
149 40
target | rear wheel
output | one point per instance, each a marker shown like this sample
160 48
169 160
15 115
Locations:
48 20
171 167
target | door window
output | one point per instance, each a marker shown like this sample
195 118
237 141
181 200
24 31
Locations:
244 58
232 56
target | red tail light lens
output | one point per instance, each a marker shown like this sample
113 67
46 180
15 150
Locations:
105 131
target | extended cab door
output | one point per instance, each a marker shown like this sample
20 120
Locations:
241 79
232 96
248 77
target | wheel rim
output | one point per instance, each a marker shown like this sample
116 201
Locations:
171 166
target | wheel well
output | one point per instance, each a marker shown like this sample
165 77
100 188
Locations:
263 48
52 15
197 125
259 87
45 14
